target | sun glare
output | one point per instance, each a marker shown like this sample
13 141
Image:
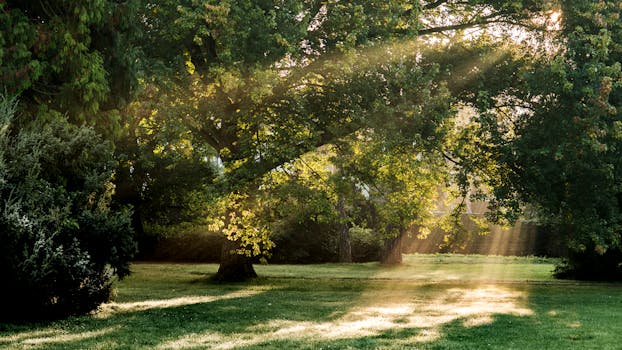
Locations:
555 16
554 22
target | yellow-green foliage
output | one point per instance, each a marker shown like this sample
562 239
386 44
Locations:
242 219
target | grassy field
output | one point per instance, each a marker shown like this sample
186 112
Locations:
430 302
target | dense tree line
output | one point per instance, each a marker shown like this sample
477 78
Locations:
256 116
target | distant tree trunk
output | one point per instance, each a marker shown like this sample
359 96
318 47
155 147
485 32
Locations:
392 251
234 267
127 192
137 220
345 247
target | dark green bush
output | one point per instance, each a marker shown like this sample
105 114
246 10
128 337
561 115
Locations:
312 242
366 244
592 266
583 259
61 241
185 242
305 242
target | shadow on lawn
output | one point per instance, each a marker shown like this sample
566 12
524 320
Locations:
226 310
339 314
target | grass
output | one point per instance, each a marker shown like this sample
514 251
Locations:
430 302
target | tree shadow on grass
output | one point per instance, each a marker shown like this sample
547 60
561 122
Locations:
340 314
223 311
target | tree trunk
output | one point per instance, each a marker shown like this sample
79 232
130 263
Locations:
345 247
234 267
137 220
392 251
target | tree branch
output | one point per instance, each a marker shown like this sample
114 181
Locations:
434 4
482 21
446 156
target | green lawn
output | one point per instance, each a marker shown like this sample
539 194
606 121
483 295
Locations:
431 302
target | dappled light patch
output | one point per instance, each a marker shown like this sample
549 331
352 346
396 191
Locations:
40 339
487 300
478 321
109 309
209 340
381 309
426 336
26 335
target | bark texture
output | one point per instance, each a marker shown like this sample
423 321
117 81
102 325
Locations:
345 247
234 267
392 251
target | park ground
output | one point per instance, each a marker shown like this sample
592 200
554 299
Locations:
429 302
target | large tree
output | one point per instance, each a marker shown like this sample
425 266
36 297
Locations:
264 82
555 139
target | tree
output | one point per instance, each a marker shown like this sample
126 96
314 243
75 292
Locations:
317 198
163 170
267 82
300 198
558 145
87 61
401 178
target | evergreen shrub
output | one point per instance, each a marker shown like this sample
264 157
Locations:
62 243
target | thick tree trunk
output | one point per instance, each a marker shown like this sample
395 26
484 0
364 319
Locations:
392 251
345 247
234 267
